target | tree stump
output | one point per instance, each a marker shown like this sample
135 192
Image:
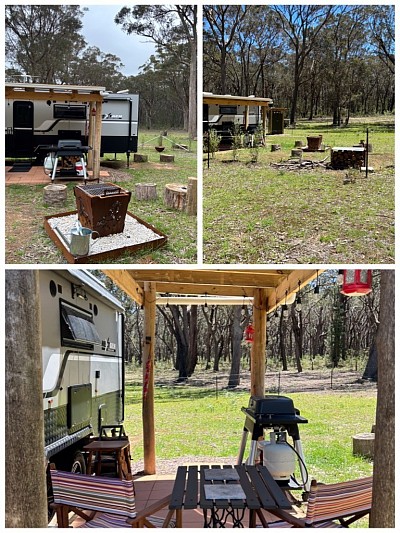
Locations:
140 158
275 147
167 158
146 191
175 196
298 144
191 207
363 444
55 194
297 153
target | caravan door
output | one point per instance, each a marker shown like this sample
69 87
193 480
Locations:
23 128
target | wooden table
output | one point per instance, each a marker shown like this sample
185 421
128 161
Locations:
118 447
226 493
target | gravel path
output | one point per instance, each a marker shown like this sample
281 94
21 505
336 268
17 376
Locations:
169 466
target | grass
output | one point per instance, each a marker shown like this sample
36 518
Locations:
193 422
254 213
27 241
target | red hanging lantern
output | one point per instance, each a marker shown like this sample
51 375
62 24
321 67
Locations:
356 282
249 333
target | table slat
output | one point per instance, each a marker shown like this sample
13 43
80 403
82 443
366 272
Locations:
251 497
178 491
192 488
265 497
274 489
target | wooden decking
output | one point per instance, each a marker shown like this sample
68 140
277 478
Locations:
36 176
150 489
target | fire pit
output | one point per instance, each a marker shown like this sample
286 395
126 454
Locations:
102 207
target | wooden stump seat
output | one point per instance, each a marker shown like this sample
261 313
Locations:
175 196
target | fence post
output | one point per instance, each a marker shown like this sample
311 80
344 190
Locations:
216 386
279 383
332 378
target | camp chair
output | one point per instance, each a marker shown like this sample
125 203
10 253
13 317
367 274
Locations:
102 502
334 505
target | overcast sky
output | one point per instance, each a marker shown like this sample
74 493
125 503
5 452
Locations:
99 29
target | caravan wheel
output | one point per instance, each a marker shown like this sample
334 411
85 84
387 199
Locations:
78 464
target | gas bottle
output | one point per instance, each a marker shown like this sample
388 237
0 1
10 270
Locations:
278 456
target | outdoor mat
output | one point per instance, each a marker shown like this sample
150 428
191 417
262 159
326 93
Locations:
21 167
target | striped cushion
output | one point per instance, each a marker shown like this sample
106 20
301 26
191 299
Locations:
338 500
109 520
94 493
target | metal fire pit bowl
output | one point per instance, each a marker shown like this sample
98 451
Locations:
102 207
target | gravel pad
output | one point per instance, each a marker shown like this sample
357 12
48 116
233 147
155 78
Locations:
134 233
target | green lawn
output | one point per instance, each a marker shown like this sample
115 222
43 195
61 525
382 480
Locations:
255 213
193 422
27 241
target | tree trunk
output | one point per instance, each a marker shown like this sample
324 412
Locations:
383 493
371 369
25 475
282 347
192 119
298 337
237 335
193 329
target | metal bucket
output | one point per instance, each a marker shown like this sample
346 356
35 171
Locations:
80 241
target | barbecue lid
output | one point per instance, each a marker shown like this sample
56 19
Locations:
275 408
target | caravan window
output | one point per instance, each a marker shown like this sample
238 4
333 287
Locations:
69 111
77 327
228 109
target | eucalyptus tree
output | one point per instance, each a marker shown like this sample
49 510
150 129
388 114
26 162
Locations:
42 40
302 25
95 67
256 49
381 25
168 26
221 26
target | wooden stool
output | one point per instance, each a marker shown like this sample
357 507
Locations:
100 447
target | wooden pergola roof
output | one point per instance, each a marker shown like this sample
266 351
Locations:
267 288
241 283
226 99
93 95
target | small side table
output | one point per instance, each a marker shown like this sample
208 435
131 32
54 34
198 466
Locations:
119 447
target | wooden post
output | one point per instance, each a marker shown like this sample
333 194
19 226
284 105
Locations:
97 142
264 122
246 117
25 468
191 206
257 386
149 441
92 110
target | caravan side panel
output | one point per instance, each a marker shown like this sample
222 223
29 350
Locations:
82 360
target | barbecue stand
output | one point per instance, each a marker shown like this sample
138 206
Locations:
67 154
102 207
279 414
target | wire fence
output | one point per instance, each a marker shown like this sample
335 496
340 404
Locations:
276 382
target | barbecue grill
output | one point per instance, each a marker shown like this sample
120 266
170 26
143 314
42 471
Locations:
102 207
279 414
70 154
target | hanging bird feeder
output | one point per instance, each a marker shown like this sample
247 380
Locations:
356 282
249 333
